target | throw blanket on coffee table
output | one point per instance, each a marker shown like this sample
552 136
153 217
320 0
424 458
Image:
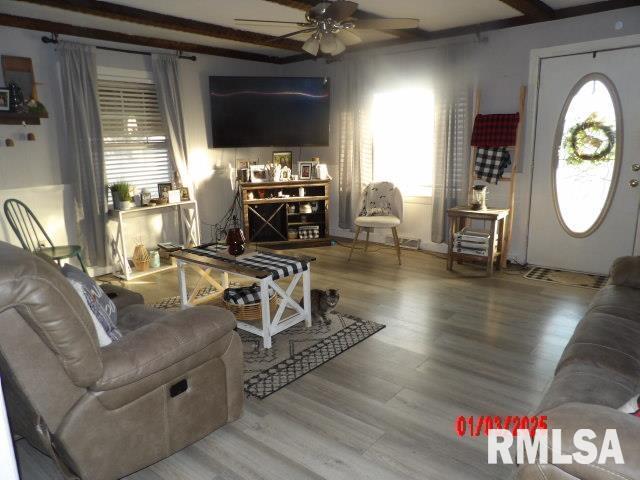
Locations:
274 264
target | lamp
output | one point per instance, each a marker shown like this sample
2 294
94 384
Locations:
312 45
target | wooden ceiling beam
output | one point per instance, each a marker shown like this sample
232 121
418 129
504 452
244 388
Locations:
149 18
533 9
561 13
304 5
111 36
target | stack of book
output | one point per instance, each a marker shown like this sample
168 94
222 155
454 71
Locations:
471 243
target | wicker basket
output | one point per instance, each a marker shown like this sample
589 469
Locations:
251 312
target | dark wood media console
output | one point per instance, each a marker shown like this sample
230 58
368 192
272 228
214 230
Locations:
276 213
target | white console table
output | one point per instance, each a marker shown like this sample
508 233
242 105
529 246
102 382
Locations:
188 225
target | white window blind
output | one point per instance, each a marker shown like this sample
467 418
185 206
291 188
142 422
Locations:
136 148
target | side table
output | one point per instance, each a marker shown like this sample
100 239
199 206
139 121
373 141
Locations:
460 217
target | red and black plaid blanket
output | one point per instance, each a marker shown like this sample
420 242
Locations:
496 130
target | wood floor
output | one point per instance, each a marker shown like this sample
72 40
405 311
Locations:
455 344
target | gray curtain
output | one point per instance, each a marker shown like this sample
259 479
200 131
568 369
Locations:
453 132
167 78
355 144
82 121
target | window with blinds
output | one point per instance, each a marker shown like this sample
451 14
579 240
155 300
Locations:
136 147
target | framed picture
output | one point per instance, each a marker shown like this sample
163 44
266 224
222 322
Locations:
284 159
163 190
241 164
258 173
285 174
184 194
304 170
4 100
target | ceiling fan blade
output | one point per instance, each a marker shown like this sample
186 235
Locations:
386 23
341 10
269 23
349 38
305 30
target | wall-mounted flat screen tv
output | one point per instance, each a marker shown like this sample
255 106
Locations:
269 111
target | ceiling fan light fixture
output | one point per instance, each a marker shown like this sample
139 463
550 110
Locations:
341 47
312 46
329 43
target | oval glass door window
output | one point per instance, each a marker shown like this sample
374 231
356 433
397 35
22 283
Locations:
587 155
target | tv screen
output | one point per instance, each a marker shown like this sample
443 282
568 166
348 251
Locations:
269 111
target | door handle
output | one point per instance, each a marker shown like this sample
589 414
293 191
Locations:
635 167
634 182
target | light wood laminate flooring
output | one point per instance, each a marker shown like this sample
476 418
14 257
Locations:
456 343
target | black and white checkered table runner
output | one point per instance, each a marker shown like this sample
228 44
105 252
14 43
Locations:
277 265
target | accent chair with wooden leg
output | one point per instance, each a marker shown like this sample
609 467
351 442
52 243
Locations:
381 208
33 236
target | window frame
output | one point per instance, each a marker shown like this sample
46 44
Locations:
114 76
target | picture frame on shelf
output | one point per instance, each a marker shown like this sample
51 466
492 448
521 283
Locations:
305 170
245 164
175 195
184 194
284 159
285 174
259 174
163 190
5 104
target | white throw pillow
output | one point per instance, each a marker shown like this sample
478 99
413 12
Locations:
101 308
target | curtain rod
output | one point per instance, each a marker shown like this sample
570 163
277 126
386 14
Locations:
54 39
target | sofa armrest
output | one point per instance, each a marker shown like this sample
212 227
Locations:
571 417
161 344
625 271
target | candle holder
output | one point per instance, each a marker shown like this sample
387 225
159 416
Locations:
479 197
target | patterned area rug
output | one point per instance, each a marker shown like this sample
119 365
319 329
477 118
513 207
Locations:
563 277
295 352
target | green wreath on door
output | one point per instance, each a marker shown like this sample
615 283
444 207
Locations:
590 141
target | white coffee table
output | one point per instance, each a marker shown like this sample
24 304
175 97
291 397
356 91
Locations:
264 268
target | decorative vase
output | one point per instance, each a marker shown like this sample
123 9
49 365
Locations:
141 258
126 205
235 239
154 258
145 197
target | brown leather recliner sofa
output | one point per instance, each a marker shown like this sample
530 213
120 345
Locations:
598 372
172 379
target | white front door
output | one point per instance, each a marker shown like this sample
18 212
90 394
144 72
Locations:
585 199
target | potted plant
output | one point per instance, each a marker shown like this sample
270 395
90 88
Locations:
121 193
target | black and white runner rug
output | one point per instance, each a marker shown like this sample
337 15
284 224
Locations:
296 351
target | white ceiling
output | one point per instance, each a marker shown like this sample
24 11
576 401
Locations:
433 15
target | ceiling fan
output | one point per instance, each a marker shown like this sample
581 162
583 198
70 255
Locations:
331 26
